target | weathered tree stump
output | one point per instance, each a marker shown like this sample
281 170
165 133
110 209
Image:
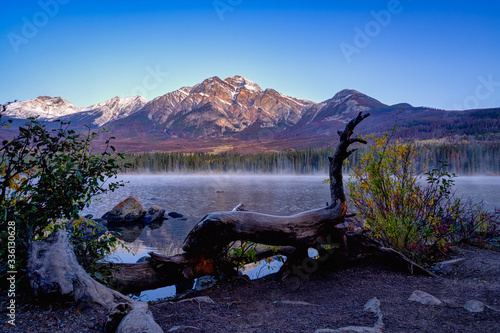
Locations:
54 273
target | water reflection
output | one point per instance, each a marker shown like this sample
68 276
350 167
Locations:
127 232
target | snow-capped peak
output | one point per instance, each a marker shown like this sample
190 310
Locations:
345 93
116 108
50 108
44 107
185 90
241 82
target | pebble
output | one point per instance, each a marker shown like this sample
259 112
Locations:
424 298
474 306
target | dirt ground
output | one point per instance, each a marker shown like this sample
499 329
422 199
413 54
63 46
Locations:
330 299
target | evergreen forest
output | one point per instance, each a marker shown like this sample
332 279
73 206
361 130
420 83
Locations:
462 158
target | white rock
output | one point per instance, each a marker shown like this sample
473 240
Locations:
373 305
424 298
474 306
139 319
446 267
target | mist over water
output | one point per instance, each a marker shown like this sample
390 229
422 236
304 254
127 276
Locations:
282 194
196 195
480 188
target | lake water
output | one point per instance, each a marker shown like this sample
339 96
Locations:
194 196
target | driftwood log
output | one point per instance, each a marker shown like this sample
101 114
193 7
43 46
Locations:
295 234
305 229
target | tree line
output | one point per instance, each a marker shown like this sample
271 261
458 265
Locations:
462 158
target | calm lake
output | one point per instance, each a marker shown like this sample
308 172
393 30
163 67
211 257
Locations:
196 195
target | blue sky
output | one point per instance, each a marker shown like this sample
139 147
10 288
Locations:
443 54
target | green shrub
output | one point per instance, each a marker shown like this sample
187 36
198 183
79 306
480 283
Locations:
240 253
47 174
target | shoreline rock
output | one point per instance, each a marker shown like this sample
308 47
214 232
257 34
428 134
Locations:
154 214
129 210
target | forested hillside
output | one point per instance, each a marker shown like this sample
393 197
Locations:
463 158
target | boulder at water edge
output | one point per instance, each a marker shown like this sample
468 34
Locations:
129 210
154 214
175 215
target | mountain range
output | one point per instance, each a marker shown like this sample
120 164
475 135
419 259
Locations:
237 114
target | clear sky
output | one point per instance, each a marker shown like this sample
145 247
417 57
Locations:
443 54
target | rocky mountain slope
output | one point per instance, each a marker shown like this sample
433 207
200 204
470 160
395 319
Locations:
219 107
52 108
236 112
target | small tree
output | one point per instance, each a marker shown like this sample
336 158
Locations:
395 206
48 174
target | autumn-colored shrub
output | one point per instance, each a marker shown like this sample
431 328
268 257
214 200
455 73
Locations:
413 211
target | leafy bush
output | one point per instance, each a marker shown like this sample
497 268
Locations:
48 174
240 253
420 220
243 254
